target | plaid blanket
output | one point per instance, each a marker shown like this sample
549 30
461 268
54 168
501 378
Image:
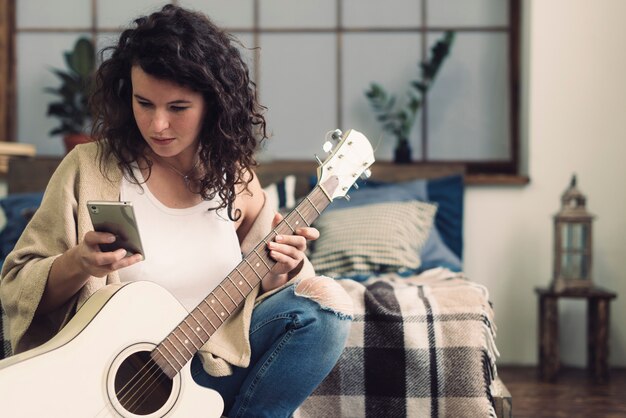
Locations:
421 346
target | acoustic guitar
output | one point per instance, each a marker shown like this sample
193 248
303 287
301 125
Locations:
126 351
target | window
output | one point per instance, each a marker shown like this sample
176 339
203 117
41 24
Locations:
313 61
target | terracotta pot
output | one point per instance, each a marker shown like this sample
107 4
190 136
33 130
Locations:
71 140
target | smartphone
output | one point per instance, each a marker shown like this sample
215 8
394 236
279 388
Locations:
117 218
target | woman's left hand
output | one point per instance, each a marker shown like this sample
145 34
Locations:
288 252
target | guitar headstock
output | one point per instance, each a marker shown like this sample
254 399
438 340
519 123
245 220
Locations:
348 160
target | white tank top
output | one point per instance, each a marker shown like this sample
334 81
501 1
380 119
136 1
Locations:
187 251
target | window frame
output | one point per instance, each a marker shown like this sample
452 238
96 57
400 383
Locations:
497 171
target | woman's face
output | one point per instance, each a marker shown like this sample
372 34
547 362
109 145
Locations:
168 115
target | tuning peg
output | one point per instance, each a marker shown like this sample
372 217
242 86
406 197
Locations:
347 197
356 186
366 174
328 146
337 134
318 160
334 135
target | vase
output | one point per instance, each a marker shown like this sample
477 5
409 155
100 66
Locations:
402 153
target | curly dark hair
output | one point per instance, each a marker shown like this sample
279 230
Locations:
188 49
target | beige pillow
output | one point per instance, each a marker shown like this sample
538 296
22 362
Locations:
371 239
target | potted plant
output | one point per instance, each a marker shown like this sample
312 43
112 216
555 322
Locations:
71 106
398 118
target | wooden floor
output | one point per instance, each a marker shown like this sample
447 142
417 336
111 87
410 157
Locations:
574 395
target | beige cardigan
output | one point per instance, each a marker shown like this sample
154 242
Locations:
60 223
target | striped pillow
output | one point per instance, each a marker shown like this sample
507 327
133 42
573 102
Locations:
371 239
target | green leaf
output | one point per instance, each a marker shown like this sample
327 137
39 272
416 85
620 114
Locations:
420 86
56 108
82 59
378 89
64 76
390 127
56 131
414 103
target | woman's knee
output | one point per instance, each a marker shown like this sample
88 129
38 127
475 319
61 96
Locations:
327 293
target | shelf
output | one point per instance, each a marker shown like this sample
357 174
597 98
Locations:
13 149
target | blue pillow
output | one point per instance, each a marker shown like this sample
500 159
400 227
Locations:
448 193
17 208
444 246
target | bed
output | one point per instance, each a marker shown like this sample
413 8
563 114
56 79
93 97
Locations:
422 340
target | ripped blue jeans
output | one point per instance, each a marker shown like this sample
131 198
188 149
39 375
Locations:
297 336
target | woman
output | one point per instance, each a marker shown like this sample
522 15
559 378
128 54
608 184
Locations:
176 126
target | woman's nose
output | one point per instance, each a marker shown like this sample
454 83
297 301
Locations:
160 121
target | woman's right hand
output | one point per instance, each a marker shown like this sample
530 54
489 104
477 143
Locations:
96 263
72 269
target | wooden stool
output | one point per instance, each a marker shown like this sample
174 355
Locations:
597 331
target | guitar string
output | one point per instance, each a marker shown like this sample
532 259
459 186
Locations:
154 376
143 394
132 407
128 400
137 378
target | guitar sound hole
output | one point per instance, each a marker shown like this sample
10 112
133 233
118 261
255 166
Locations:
140 385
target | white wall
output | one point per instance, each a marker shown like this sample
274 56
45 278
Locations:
576 122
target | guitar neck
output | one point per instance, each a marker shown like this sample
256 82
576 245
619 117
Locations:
196 329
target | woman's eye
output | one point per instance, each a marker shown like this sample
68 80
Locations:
178 108
144 104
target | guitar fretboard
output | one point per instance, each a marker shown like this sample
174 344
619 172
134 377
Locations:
196 329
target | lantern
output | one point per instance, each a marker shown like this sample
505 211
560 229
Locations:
572 242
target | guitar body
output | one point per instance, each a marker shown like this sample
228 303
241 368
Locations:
86 370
